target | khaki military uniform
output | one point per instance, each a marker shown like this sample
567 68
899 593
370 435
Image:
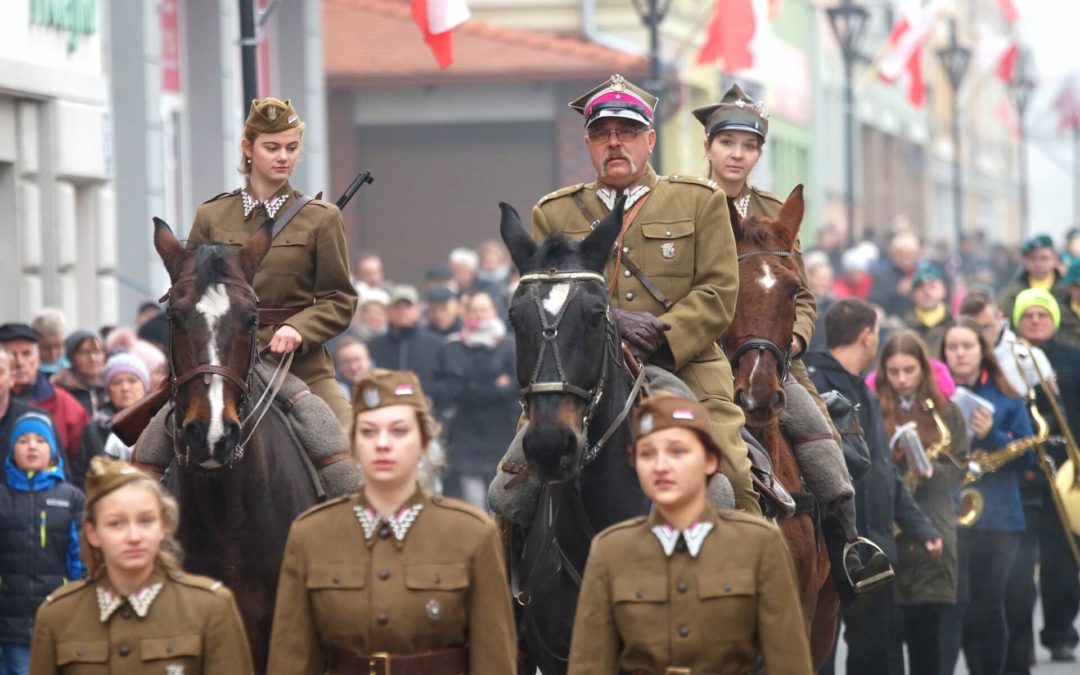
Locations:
191 626
682 239
717 612
441 586
306 269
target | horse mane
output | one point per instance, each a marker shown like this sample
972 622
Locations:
211 265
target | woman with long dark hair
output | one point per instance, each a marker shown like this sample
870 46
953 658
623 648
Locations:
993 539
926 582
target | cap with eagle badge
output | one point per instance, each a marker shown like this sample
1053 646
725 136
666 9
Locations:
271 115
664 410
106 475
616 97
380 388
735 112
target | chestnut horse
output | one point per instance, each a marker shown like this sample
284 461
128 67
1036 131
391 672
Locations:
757 342
239 482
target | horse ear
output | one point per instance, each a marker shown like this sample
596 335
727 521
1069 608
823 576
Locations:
791 215
736 219
253 252
168 247
517 240
596 248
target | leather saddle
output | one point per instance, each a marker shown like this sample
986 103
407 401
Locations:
777 501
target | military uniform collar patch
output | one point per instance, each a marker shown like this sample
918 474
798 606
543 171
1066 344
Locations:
109 601
399 524
272 206
693 536
610 195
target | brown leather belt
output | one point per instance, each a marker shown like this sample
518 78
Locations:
440 662
674 670
276 317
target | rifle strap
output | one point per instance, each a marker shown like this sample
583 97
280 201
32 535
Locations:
288 213
620 256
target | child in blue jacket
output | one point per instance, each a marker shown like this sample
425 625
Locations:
40 516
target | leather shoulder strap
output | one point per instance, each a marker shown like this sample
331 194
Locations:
287 215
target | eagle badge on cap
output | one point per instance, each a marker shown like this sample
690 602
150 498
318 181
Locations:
683 414
371 397
617 83
271 113
404 390
645 425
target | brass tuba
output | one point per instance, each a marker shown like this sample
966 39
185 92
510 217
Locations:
982 463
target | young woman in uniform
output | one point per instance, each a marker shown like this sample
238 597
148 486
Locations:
926 577
392 579
136 611
303 284
686 589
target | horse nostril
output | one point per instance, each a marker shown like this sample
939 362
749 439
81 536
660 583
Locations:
742 399
779 400
566 463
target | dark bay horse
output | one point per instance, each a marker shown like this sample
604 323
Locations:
757 342
577 392
239 484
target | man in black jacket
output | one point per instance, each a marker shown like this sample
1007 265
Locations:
872 631
11 408
405 345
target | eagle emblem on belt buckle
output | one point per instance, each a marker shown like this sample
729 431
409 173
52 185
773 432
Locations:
667 250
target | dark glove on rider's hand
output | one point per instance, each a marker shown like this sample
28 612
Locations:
642 332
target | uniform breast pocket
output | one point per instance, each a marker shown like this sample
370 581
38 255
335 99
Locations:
436 598
83 658
181 654
336 592
669 249
231 237
729 599
640 607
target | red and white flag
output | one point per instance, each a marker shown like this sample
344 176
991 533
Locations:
1009 10
999 56
437 20
902 60
734 34
1068 106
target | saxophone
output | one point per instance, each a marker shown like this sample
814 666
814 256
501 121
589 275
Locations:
982 463
940 449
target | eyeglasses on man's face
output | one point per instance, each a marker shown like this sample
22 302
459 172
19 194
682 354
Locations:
624 134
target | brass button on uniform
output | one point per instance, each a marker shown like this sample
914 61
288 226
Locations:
630 296
626 273
683 631
727 588
384 575
669 233
382 619
384 533
170 649
681 587
639 595
625 249
124 650
336 579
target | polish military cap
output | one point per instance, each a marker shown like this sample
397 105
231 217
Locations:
106 475
1038 241
664 411
735 112
380 388
270 115
616 97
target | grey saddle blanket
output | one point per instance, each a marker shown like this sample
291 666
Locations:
307 420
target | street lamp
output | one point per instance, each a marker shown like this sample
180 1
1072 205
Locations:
1022 87
954 59
652 12
848 22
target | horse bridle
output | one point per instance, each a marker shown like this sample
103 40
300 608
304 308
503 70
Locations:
208 370
759 344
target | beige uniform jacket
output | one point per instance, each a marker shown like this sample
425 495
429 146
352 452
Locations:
714 613
442 586
307 268
192 627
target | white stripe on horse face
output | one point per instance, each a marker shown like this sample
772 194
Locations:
767 279
213 305
556 298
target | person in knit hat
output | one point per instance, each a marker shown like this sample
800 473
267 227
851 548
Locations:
680 545
136 605
126 380
40 514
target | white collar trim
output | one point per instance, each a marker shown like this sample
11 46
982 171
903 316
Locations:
694 536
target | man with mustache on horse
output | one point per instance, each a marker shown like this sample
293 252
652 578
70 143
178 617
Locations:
735 132
672 276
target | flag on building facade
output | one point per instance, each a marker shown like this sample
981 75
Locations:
1068 106
437 20
999 56
1009 10
902 60
735 32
